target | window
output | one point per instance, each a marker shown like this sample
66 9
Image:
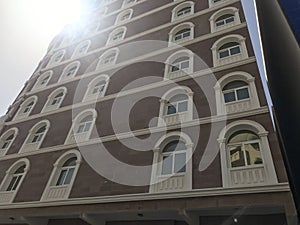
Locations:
181 33
229 49
129 2
124 16
55 99
43 80
176 106
36 136
82 127
7 139
236 92
70 71
172 167
56 58
245 155
179 64
97 88
81 49
108 58
215 2
182 10
26 108
62 177
116 35
13 180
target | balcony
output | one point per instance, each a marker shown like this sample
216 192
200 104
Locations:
6 197
176 118
239 106
57 193
77 138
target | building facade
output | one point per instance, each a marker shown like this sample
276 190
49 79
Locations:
148 112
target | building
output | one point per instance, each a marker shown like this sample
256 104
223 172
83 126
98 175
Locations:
283 69
149 112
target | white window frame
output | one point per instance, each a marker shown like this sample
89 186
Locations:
28 145
62 191
237 106
48 105
181 6
217 61
228 10
8 197
78 53
38 84
177 118
100 63
73 136
167 182
64 77
21 114
126 3
112 35
53 62
3 139
122 14
89 95
267 167
178 28
213 3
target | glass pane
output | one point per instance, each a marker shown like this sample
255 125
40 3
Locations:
70 162
224 54
69 176
235 84
174 146
242 136
171 110
229 20
236 156
242 93
87 127
185 65
167 165
253 154
178 98
80 128
182 106
61 178
11 184
235 50
229 97
180 161
14 187
174 68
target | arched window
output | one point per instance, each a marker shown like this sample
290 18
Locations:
70 71
245 155
56 58
43 80
179 64
13 180
36 136
124 16
7 139
181 33
236 92
215 2
82 127
116 35
26 108
176 106
97 88
108 58
127 3
81 49
55 99
172 167
229 49
182 10
62 177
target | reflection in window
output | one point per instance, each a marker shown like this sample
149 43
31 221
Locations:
236 91
66 172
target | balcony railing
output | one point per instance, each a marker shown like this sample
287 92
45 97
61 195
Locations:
57 193
248 176
6 196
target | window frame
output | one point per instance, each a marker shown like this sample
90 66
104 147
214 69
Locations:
48 106
66 70
181 6
89 95
3 138
175 30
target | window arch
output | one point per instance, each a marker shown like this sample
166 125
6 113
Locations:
26 107
81 49
236 92
36 136
127 3
13 180
215 2
56 58
224 18
172 163
176 106
63 176
43 80
70 71
116 35
82 127
181 33
108 58
179 64
55 99
182 10
124 16
246 155
7 139
97 87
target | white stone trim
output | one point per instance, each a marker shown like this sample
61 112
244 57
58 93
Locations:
121 14
214 4
110 40
38 84
66 70
178 28
4 136
100 64
182 6
76 52
48 107
264 145
20 115
89 95
52 59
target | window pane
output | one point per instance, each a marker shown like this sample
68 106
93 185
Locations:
167 165
253 154
61 178
171 110
242 93
236 156
80 128
87 127
182 107
185 65
180 161
11 184
14 187
69 176
229 97
224 54
235 50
